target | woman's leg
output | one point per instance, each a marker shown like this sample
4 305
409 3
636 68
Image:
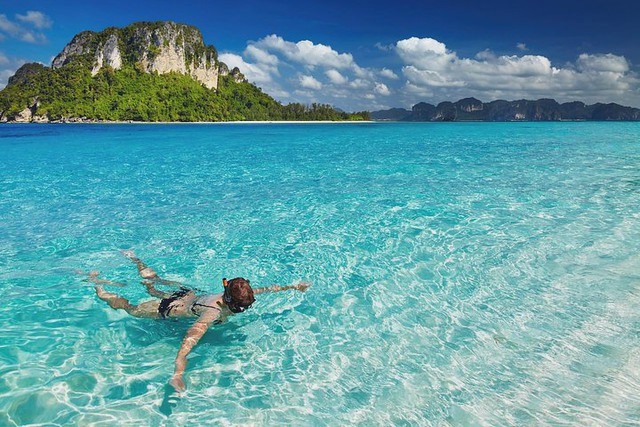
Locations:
151 290
92 277
147 272
148 309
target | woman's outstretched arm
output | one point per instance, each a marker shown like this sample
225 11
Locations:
195 332
302 287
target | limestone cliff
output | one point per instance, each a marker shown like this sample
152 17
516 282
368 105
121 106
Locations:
108 54
161 47
77 47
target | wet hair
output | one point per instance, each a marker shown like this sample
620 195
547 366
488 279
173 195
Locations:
238 294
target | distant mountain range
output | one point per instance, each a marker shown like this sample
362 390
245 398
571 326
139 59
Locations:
471 109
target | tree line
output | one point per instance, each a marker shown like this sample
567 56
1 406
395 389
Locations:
132 94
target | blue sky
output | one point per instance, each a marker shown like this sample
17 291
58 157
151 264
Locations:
372 55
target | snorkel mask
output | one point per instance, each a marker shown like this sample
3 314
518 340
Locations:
228 299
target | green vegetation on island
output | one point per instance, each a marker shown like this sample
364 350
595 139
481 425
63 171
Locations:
113 76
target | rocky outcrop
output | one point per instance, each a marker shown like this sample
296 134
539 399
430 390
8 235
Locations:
26 115
25 73
79 45
40 119
108 54
153 47
23 116
470 105
613 112
238 77
177 48
392 114
471 109
446 112
223 69
422 111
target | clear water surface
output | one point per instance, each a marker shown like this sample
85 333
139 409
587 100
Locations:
463 274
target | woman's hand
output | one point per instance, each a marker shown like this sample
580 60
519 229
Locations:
302 287
177 382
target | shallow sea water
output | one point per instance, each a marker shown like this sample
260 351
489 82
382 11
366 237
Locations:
462 274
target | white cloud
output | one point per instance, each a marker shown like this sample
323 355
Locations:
381 89
608 62
260 55
29 37
423 91
35 18
384 47
429 78
359 84
486 55
306 52
305 71
335 77
365 73
310 82
515 66
8 26
430 66
17 31
385 72
523 47
255 72
425 53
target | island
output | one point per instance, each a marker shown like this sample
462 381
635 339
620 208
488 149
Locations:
472 109
145 72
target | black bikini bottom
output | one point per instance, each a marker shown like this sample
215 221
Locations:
165 304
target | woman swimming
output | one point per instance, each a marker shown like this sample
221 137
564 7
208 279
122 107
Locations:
208 309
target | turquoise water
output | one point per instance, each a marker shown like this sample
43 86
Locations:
462 274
